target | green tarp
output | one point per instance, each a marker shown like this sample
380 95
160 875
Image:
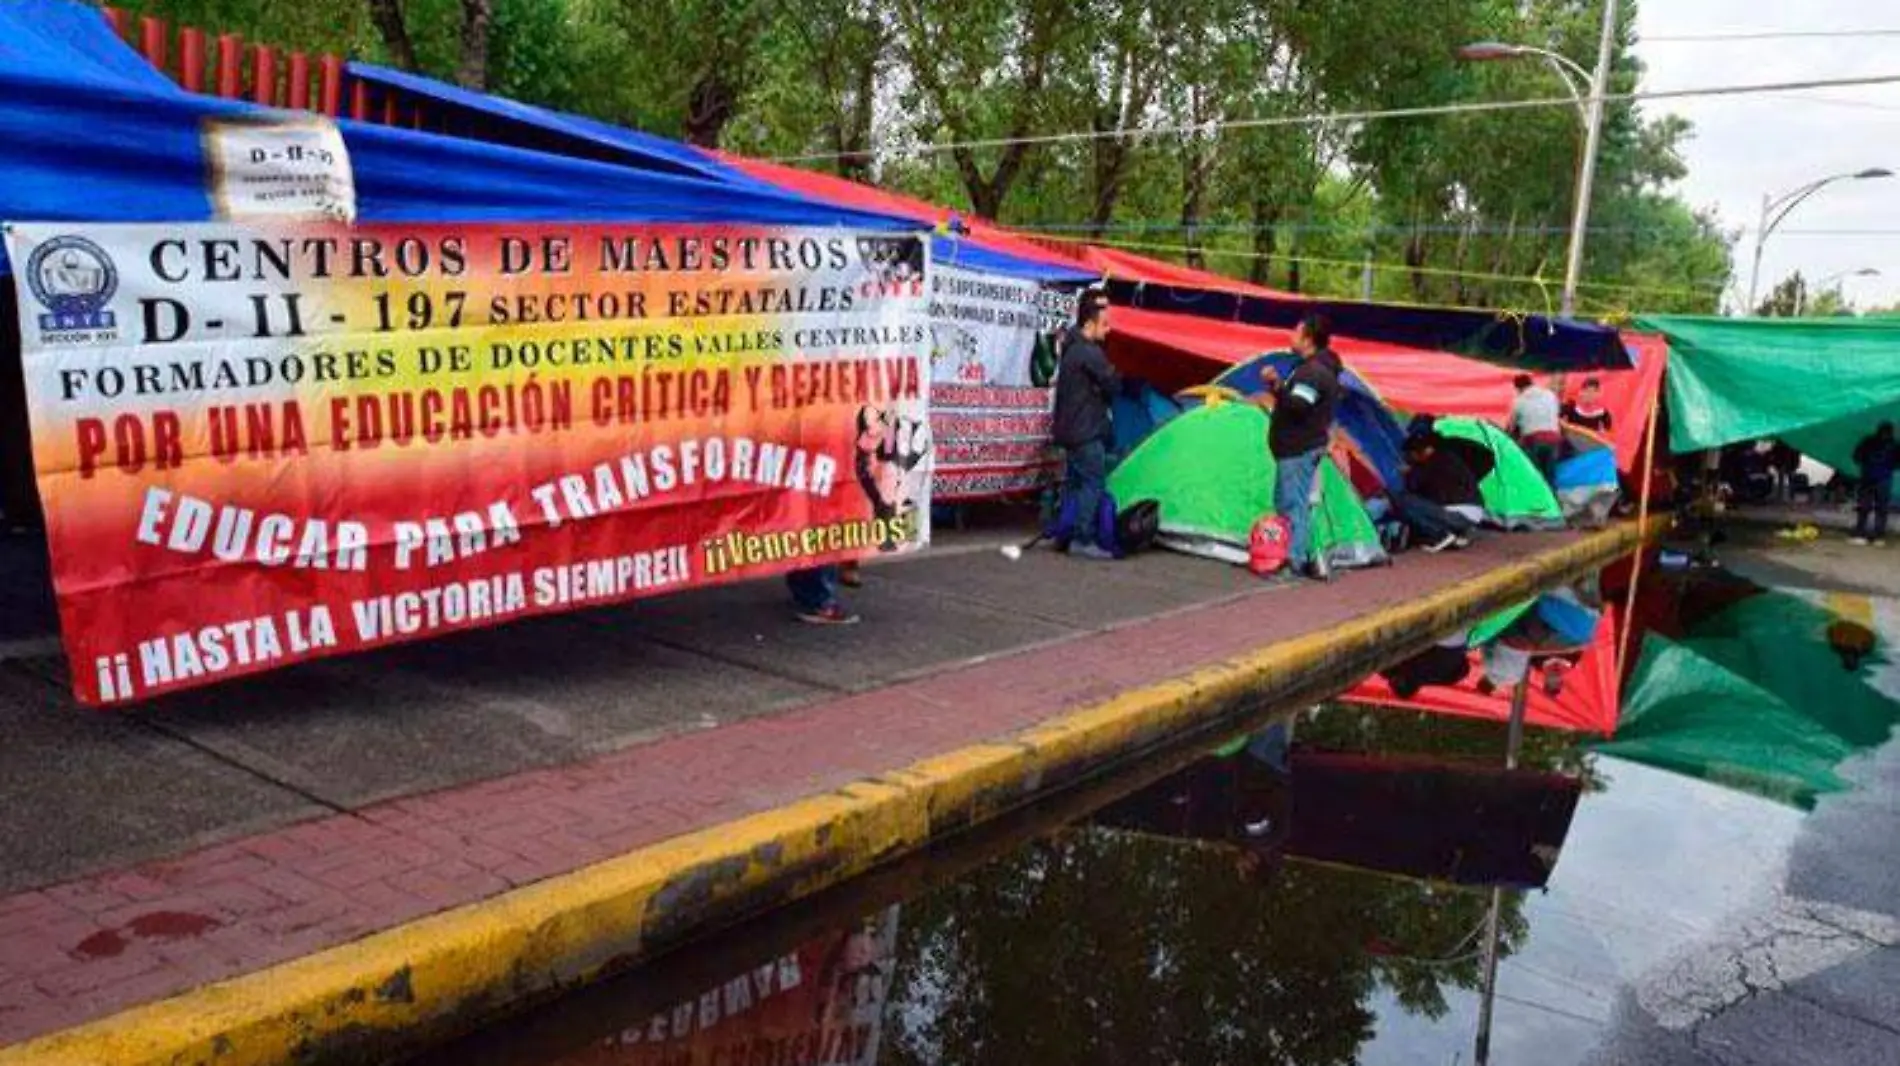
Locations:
1514 492
1209 470
1821 384
1759 697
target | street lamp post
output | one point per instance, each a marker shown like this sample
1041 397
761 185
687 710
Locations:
1591 111
1779 206
1801 297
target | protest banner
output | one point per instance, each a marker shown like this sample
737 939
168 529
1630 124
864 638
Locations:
262 444
820 1004
990 409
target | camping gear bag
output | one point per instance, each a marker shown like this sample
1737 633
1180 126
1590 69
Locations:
1137 527
1268 546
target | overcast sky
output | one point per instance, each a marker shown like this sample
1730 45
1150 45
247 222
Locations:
1745 146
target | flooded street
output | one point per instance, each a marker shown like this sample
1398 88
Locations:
1333 888
1150 931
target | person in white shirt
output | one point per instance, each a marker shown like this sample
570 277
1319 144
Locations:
1536 422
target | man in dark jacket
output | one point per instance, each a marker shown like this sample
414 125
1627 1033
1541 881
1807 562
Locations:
1086 386
1302 428
1440 500
1877 456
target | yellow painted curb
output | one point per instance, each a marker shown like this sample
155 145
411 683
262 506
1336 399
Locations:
405 987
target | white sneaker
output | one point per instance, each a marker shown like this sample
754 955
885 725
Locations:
1447 541
1860 541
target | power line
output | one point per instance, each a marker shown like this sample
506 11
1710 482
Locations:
1764 35
1708 289
1377 230
1327 118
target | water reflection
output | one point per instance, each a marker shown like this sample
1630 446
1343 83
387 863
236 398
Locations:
1266 904
1356 884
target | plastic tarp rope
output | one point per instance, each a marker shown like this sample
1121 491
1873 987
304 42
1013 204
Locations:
1821 384
1209 470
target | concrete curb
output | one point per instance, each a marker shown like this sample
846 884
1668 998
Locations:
417 983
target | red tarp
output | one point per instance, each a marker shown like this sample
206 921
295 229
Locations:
832 189
1589 701
1175 351
1127 266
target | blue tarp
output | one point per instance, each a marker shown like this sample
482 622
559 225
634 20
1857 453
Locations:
93 134
1533 342
1362 415
492 119
477 116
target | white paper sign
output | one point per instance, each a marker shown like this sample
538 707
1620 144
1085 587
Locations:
294 168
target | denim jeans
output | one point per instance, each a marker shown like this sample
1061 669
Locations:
1545 455
1293 501
1428 520
1087 478
1876 498
814 589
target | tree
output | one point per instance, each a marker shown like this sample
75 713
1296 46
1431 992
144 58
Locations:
980 71
395 32
1786 299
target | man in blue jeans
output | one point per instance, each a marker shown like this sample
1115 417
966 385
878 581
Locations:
1303 406
1086 385
1877 456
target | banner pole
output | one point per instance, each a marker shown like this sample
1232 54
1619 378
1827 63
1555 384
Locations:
1642 520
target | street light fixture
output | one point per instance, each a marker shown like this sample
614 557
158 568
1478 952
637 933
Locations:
1779 206
1572 73
1801 297
1577 80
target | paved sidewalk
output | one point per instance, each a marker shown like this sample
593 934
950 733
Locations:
359 795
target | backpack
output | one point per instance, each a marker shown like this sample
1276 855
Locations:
1062 529
1268 545
1137 527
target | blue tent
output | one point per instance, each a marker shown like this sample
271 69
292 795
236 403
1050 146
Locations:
1139 415
1363 417
493 119
94 134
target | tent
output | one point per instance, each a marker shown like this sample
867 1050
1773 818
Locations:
1819 384
1361 416
1586 480
1141 414
1209 470
1174 351
1516 496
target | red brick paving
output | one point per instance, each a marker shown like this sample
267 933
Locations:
76 951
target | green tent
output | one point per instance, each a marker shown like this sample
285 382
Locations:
1209 470
1759 698
1820 384
1515 492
